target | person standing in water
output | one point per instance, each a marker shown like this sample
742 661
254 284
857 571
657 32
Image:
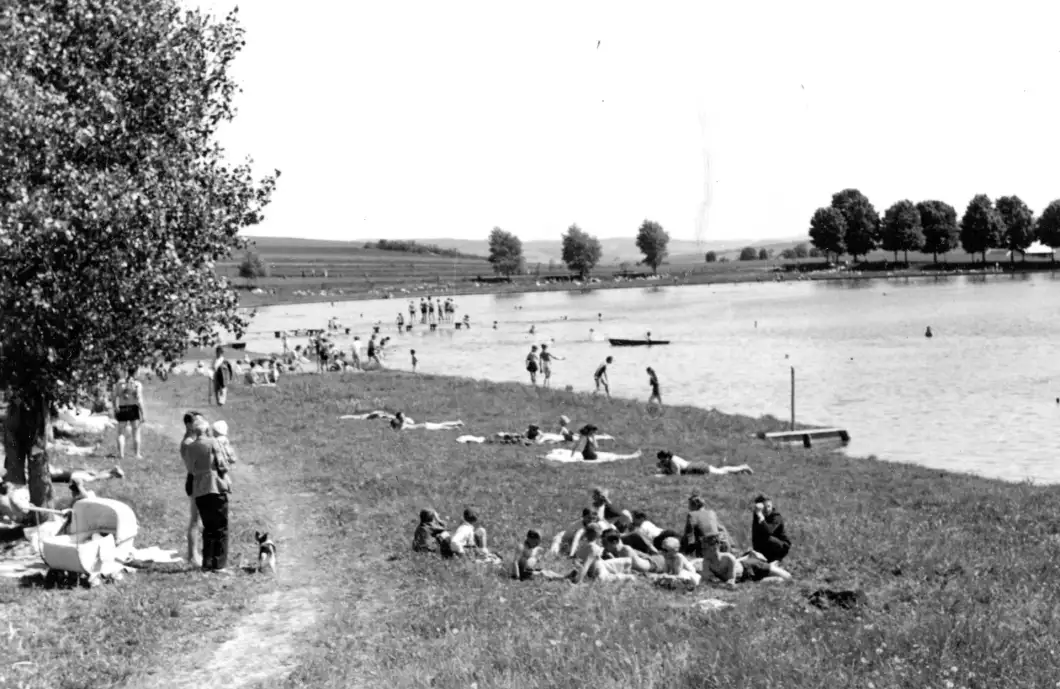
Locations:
546 363
532 365
653 381
602 381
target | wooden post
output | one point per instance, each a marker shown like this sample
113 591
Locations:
793 398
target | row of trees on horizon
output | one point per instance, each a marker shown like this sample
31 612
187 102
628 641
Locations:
581 251
851 225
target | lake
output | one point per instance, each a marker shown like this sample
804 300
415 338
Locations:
980 396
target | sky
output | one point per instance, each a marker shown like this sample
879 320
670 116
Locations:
719 120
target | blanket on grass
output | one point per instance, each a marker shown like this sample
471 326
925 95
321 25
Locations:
566 456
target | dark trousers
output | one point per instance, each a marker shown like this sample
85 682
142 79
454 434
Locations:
773 549
213 510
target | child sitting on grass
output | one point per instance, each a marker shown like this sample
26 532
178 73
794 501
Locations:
430 528
469 540
527 563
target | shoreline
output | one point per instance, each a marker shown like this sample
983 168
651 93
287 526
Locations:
247 300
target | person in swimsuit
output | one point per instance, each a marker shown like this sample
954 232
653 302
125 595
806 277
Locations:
731 570
653 381
531 364
588 436
129 406
546 363
672 465
601 377
414 359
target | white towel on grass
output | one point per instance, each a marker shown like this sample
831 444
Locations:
566 456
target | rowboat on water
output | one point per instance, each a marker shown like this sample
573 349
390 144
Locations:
636 343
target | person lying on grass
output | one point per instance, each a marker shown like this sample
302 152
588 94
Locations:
400 422
430 529
589 562
767 531
671 464
469 539
731 570
645 536
639 562
677 567
15 505
534 433
527 562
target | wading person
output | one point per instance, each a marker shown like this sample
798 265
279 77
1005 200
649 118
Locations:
210 491
129 412
531 364
653 381
546 363
601 378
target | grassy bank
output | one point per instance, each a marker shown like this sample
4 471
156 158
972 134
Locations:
959 571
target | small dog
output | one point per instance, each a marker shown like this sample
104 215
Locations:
266 552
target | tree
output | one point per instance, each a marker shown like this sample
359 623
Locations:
748 253
938 221
253 267
764 254
581 251
828 231
801 250
1048 227
901 229
116 201
506 253
862 221
1018 232
711 257
815 252
981 226
788 254
652 240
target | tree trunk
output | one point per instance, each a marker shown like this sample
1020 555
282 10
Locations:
935 257
896 255
907 258
26 445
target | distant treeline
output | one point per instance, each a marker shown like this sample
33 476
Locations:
417 248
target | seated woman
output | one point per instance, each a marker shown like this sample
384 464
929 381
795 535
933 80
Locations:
588 439
700 524
671 464
430 529
590 451
731 570
527 563
566 542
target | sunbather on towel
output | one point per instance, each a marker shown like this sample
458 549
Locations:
671 464
400 422
370 415
534 433
562 455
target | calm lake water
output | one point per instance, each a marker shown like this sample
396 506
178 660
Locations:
980 396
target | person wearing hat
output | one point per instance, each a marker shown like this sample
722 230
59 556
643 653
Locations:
701 524
209 489
767 531
469 538
430 528
671 464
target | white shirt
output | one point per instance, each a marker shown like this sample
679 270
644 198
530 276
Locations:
681 464
648 530
358 349
463 537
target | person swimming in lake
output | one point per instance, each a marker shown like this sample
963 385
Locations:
927 333
672 465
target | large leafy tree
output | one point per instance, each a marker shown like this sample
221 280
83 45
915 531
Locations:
981 226
506 252
115 199
1048 226
901 229
862 221
748 253
581 251
652 241
828 231
938 221
1018 233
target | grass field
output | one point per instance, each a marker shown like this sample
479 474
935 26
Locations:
960 572
298 272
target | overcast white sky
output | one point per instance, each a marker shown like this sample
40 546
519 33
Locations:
429 119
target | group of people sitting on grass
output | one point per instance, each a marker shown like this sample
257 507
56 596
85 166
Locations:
613 544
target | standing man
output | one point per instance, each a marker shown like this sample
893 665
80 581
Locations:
358 352
546 363
129 411
222 374
601 378
653 381
423 310
412 312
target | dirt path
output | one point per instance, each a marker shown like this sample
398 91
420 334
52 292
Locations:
261 648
